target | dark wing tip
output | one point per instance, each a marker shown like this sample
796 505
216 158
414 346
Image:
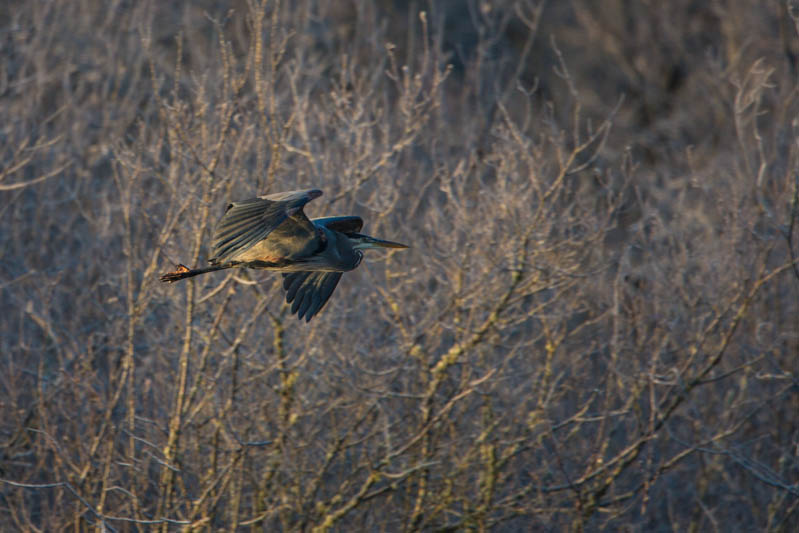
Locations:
342 224
308 292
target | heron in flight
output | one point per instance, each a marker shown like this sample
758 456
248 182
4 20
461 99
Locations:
272 233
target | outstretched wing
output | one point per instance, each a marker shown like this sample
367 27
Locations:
309 291
246 223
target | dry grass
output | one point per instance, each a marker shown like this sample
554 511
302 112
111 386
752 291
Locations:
596 327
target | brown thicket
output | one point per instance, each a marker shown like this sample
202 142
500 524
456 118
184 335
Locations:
597 326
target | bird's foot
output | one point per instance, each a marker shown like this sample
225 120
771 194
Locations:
175 275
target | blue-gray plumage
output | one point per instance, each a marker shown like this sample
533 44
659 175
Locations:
272 233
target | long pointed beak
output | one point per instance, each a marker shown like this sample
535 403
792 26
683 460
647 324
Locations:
371 242
390 244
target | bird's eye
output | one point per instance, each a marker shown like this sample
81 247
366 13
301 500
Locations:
360 257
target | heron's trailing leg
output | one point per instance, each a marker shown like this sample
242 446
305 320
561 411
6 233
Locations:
183 272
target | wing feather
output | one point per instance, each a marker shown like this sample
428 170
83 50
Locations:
308 292
246 223
343 224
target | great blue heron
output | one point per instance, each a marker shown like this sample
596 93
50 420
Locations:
272 233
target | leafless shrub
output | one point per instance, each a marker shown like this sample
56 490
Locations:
596 326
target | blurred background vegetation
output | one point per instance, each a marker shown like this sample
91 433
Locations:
597 326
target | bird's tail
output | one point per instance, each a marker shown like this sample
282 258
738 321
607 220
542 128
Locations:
183 272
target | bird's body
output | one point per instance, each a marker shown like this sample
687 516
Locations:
272 233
